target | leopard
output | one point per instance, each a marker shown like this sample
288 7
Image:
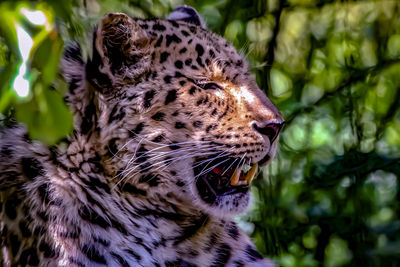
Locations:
170 129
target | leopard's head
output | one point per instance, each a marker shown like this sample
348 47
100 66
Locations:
175 112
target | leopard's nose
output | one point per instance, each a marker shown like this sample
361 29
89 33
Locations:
269 129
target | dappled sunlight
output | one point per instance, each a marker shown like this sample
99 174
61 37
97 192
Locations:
21 84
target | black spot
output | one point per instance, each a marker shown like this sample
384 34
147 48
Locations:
74 234
138 129
73 53
102 241
174 24
197 124
178 74
173 39
130 98
159 27
149 95
141 154
198 60
233 231
89 118
174 146
93 217
129 188
31 167
115 115
171 97
188 62
183 50
47 250
158 139
134 254
120 260
179 262
44 193
211 53
199 49
179 64
95 183
211 243
176 113
192 90
182 83
15 244
159 41
223 255
151 179
6 151
185 33
74 83
43 215
214 112
159 116
29 257
76 262
252 254
24 229
112 146
191 229
38 230
179 125
238 263
164 56
180 183
193 253
167 79
11 207
93 254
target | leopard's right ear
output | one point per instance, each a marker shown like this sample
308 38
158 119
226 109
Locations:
187 14
121 50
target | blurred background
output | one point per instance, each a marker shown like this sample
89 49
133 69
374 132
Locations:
331 197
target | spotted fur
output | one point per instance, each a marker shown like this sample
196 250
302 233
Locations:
155 95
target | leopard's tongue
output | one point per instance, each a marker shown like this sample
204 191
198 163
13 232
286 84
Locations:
237 174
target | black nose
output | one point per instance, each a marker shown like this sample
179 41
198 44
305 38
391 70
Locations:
269 129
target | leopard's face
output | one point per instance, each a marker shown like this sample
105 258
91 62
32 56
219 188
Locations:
179 113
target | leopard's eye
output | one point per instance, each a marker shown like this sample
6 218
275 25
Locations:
211 86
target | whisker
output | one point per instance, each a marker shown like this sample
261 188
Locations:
209 169
229 167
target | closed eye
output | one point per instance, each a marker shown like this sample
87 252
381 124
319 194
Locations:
210 86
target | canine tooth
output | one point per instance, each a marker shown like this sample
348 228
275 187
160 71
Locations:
235 177
251 173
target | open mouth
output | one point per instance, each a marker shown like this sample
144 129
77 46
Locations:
227 178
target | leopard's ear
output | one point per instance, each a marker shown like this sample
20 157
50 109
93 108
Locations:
187 14
121 50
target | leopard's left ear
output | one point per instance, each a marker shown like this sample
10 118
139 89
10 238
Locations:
121 50
187 14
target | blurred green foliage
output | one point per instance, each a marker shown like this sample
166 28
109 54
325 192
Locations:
331 197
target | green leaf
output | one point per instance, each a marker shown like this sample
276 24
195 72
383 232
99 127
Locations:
47 117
